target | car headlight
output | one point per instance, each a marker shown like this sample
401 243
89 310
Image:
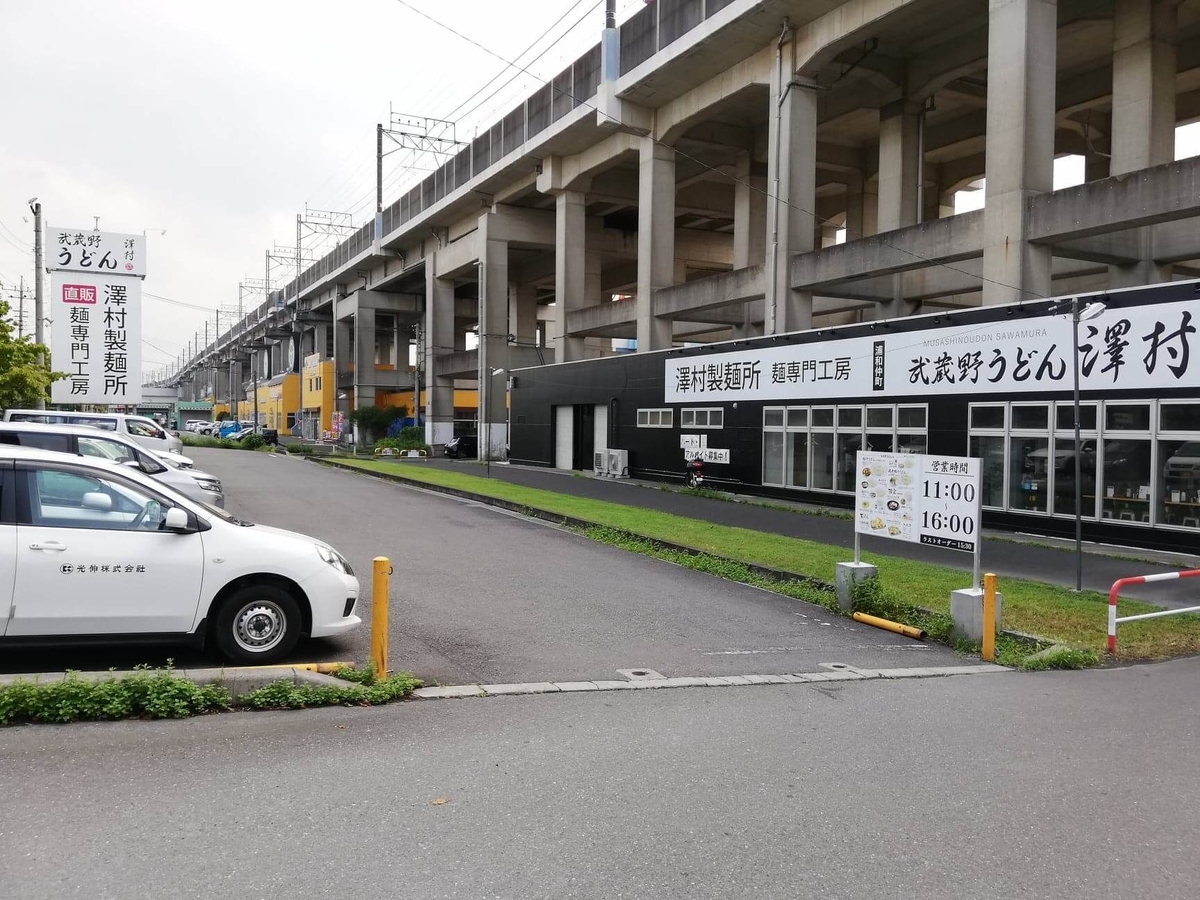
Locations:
334 559
213 486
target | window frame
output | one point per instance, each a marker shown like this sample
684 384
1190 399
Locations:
659 412
26 472
708 412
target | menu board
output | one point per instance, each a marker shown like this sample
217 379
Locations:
886 490
930 500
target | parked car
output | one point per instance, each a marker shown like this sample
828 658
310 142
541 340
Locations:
145 431
86 441
461 447
175 460
102 552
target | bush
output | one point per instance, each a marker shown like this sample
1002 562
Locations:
157 694
252 442
410 438
161 694
376 419
221 417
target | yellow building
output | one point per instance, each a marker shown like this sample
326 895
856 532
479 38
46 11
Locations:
318 390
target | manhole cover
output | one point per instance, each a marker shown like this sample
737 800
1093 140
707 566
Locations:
641 674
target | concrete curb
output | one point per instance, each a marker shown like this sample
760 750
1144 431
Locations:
838 672
238 681
777 575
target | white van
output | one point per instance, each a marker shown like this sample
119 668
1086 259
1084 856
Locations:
145 431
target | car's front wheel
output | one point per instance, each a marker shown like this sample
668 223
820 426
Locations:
257 625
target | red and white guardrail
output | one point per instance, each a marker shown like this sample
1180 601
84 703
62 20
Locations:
1113 620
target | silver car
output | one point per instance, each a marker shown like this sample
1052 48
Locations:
80 440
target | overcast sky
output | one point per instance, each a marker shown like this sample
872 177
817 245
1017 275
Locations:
219 121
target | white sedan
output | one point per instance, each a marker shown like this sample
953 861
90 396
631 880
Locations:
95 552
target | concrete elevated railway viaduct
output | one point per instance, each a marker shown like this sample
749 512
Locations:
687 178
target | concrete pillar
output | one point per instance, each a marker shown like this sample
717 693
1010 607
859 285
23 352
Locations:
321 340
792 163
570 270
899 160
945 204
749 212
1020 145
522 314
438 329
855 199
656 240
364 358
1143 109
870 208
493 348
1143 104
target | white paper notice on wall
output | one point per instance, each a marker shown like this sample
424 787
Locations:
693 441
931 500
708 454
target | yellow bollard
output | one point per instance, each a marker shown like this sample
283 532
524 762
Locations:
379 615
989 618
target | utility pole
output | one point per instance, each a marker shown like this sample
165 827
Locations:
379 167
21 311
417 349
39 296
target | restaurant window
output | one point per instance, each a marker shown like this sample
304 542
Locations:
1028 458
702 418
797 447
821 448
1063 474
773 460
986 443
1179 464
655 418
849 442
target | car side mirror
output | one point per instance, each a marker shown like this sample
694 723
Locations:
133 464
176 519
94 500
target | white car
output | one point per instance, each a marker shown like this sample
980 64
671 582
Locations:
109 445
92 551
174 460
145 431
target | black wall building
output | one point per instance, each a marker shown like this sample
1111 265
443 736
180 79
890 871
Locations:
994 383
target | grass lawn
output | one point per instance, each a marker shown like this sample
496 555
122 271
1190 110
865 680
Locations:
1051 612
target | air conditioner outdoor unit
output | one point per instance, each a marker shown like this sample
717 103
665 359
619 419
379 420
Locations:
599 463
618 463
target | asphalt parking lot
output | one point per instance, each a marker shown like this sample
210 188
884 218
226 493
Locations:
479 595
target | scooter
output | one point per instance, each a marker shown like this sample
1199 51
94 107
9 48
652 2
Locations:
695 472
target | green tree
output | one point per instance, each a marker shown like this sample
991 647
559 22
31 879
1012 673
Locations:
22 381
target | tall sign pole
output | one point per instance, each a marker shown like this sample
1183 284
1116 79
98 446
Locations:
39 297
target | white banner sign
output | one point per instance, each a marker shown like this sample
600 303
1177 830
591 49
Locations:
96 338
102 252
931 500
708 454
1137 348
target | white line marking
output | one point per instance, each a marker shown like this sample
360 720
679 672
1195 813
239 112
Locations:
847 673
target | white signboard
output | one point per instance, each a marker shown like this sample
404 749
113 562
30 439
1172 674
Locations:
102 252
693 441
708 454
1137 348
932 500
96 338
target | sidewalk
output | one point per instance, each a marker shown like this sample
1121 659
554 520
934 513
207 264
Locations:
1037 558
